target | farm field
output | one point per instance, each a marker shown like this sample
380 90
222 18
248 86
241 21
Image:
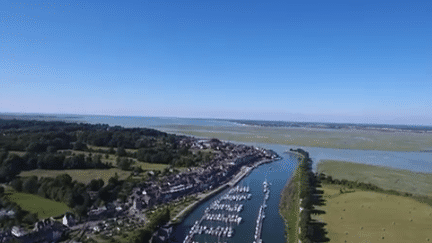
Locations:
84 176
340 139
45 208
384 177
365 216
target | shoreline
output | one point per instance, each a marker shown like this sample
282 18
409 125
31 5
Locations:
237 178
288 196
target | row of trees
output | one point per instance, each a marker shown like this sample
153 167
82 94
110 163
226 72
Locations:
11 164
360 185
306 191
303 193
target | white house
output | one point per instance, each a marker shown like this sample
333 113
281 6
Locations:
68 220
17 231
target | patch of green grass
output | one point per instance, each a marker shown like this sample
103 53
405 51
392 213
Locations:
384 177
45 208
19 153
342 139
289 205
84 176
373 217
150 166
289 210
113 160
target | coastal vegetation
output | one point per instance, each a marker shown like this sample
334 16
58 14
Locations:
357 211
298 203
324 138
372 203
385 177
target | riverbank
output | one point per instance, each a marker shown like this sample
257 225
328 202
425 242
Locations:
289 203
299 201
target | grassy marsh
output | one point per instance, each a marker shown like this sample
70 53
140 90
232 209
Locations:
366 216
341 139
384 177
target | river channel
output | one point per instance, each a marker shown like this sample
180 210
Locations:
276 173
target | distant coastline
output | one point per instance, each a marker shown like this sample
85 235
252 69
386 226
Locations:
337 126
259 123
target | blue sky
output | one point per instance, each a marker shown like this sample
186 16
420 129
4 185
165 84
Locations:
336 61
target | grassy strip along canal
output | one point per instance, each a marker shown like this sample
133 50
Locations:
298 201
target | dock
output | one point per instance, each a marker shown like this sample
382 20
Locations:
261 213
223 211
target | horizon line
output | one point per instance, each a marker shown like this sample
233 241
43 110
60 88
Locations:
206 118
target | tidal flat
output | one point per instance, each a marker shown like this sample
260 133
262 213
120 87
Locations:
324 138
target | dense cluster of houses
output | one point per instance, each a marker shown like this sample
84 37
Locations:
46 230
227 162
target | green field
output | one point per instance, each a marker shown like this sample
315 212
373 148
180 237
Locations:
45 208
112 160
84 176
365 216
384 177
289 209
150 166
342 139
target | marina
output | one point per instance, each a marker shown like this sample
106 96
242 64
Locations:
250 190
228 214
217 212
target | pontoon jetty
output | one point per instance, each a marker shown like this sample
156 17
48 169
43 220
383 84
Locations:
261 214
225 211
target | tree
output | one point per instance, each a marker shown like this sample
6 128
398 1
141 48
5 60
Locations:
139 236
30 185
79 146
121 151
68 198
96 185
64 179
123 163
17 184
30 218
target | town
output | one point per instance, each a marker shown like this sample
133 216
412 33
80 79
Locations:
228 165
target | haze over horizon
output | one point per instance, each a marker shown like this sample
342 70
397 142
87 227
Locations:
346 62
